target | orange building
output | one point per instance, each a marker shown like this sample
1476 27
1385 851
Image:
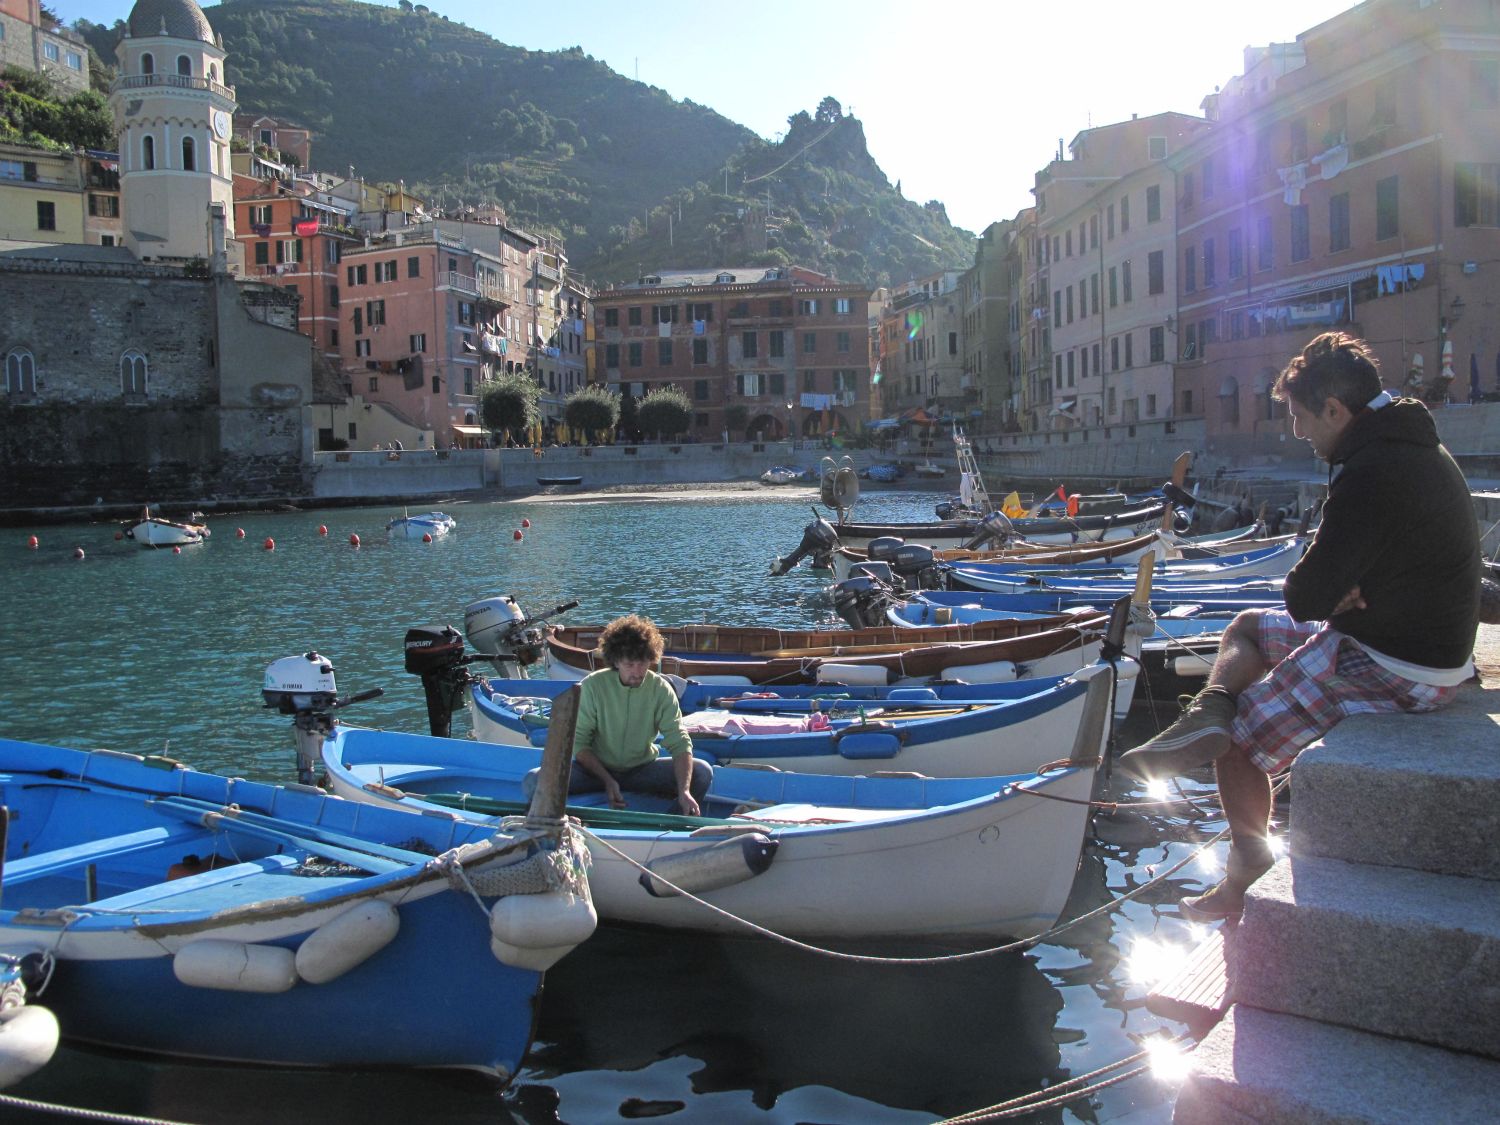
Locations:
790 345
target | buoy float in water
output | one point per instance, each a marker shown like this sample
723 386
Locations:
353 540
322 529
177 550
32 543
270 544
239 533
119 535
78 552
517 536
525 523
426 537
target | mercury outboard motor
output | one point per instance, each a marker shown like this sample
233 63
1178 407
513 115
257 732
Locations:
436 653
819 539
861 601
995 526
303 687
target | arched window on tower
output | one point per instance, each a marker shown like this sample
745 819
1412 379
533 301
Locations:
189 163
148 63
213 73
20 374
148 152
184 65
133 376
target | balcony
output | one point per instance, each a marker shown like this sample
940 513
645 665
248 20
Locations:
181 81
546 275
458 282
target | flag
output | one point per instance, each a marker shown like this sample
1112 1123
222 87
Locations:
1062 494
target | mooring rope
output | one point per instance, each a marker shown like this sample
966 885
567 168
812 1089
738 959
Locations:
86 1114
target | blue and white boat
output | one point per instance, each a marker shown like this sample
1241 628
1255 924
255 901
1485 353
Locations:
952 730
187 914
1263 562
433 525
813 856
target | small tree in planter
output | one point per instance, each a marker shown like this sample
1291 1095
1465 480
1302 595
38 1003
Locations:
666 412
510 403
592 410
736 417
629 418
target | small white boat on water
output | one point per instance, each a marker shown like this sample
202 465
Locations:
433 524
782 474
153 531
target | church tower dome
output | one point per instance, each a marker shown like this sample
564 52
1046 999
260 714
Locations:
173 117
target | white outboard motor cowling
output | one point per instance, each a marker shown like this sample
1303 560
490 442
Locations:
299 683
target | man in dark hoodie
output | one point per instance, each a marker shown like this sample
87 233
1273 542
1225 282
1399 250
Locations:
1381 611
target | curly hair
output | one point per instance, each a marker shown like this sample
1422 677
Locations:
1333 365
630 638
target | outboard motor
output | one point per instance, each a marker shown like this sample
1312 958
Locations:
882 548
917 567
880 571
819 539
861 601
303 687
997 527
436 653
505 636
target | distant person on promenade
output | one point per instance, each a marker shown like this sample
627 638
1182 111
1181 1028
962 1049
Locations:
1381 612
621 710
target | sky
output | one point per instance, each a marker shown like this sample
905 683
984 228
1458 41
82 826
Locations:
961 102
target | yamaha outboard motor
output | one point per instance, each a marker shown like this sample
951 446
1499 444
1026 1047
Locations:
883 547
819 540
997 527
917 567
303 687
880 571
861 601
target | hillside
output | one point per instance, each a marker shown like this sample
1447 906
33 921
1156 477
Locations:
567 145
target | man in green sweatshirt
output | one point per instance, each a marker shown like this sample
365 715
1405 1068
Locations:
621 710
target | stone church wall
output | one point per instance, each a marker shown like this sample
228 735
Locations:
222 418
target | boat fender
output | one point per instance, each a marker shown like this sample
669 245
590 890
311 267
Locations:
535 931
721 864
868 741
28 1039
989 672
849 674
235 966
1192 665
352 938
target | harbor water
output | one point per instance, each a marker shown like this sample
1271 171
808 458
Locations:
160 653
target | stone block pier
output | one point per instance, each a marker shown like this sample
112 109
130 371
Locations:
1365 974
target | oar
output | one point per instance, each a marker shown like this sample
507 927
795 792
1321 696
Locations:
592 815
364 854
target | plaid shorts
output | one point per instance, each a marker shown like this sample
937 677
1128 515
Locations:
1319 676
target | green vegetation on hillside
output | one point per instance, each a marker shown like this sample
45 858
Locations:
632 178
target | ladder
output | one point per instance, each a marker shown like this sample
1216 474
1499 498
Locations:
974 496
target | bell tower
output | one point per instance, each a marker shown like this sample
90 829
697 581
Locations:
173 117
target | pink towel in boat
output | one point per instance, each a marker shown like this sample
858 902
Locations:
725 723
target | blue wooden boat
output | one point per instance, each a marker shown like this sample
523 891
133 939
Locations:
953 730
816 856
188 914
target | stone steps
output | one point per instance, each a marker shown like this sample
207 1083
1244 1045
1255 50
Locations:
1365 973
1417 791
1274 1069
1389 950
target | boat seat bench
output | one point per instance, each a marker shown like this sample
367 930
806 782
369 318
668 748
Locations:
61 859
204 884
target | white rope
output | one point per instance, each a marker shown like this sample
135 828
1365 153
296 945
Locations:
87 1114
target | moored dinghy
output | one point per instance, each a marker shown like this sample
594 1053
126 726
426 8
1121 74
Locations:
154 531
432 524
814 856
188 914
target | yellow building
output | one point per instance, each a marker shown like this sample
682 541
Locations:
41 195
